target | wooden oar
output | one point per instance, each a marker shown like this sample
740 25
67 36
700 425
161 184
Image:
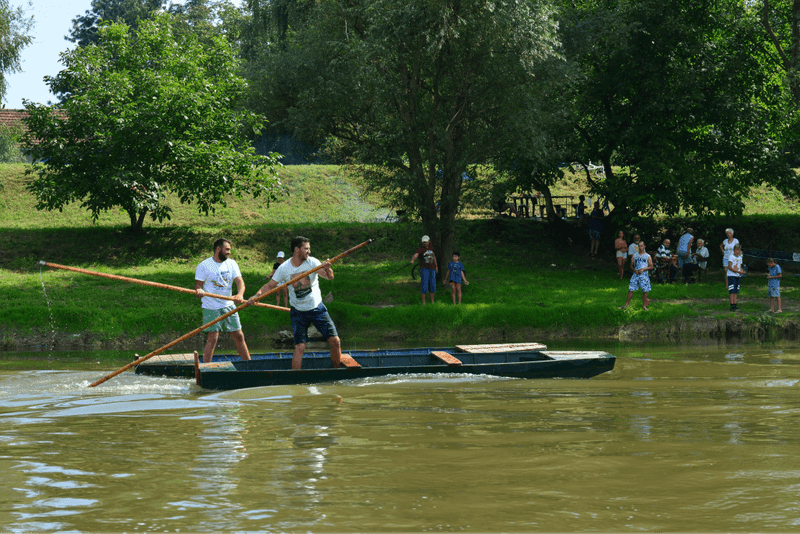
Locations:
151 284
225 316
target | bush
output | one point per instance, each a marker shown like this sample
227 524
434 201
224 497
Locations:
9 144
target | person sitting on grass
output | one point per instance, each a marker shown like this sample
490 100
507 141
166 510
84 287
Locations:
701 257
456 273
663 259
641 265
774 285
673 269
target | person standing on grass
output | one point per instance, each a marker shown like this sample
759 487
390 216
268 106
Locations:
305 300
684 251
633 248
621 246
774 285
285 291
641 265
726 247
595 227
734 277
456 273
428 268
217 275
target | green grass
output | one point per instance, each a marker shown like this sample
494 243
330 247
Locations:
527 279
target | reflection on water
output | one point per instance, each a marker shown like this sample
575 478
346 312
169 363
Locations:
672 439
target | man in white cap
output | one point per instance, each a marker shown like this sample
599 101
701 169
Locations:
285 291
428 268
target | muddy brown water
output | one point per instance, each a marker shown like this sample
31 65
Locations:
674 439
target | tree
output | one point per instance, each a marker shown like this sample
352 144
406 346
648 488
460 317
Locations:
15 29
413 94
86 27
670 96
147 114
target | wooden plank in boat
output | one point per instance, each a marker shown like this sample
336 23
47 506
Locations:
169 358
348 361
447 358
502 347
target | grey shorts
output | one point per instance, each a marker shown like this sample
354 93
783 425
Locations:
229 324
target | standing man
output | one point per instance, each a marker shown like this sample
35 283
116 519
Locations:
428 268
216 275
305 300
641 264
685 248
633 248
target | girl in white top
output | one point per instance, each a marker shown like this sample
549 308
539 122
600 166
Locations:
734 275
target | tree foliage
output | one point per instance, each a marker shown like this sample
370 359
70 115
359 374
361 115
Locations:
15 28
412 94
147 113
672 92
86 28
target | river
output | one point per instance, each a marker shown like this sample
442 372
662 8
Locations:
674 439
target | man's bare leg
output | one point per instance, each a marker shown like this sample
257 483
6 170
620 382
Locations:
211 344
241 346
297 357
336 350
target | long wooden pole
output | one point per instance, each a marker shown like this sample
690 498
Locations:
225 316
151 284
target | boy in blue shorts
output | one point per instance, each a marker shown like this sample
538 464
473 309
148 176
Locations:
774 285
456 273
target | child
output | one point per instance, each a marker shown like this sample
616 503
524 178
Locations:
774 285
735 273
456 273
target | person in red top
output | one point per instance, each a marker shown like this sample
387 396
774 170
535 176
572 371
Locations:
428 268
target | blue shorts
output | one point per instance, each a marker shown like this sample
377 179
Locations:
774 291
733 284
640 281
230 324
428 278
321 319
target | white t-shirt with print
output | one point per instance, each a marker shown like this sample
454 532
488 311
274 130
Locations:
304 295
217 278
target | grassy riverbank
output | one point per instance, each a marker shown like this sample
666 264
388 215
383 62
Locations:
528 279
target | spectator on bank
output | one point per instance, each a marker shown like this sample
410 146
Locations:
684 247
726 247
663 259
641 265
621 246
428 268
581 209
700 257
774 285
595 227
735 273
633 248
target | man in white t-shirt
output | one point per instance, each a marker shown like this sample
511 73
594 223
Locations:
216 275
305 300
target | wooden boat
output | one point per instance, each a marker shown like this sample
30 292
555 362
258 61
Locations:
517 360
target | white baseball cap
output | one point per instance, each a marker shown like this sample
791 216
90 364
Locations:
280 254
425 239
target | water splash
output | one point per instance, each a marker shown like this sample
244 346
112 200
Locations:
49 311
